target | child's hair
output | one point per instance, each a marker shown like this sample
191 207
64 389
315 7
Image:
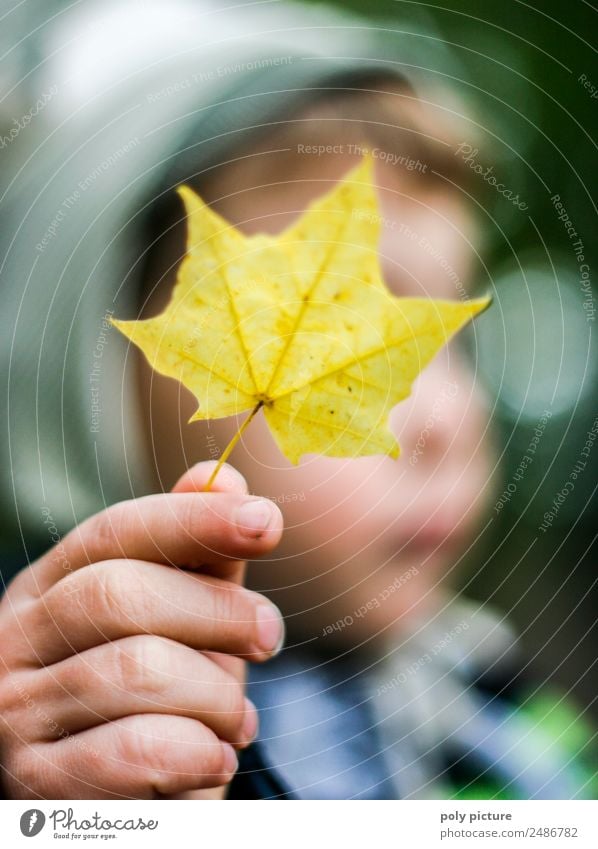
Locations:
382 115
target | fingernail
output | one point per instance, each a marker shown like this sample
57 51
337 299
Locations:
254 517
230 762
270 628
250 722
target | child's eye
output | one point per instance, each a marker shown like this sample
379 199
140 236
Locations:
400 282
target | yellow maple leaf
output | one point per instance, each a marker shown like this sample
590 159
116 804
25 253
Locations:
300 325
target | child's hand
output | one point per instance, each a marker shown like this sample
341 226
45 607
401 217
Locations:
119 672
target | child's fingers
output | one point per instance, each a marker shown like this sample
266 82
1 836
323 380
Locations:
231 664
57 562
136 675
121 598
228 479
195 479
138 757
182 529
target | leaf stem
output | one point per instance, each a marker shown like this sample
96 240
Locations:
227 451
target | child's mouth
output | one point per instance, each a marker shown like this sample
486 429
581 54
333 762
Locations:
439 531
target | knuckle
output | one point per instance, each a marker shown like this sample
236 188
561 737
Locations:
133 746
233 607
146 745
196 517
138 748
76 677
229 616
141 665
14 699
230 696
192 525
100 532
104 590
63 591
60 605
75 590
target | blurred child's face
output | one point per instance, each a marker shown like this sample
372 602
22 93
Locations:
373 529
